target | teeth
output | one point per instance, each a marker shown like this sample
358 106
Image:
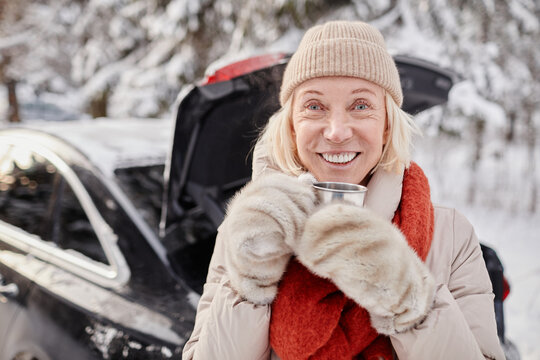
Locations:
339 158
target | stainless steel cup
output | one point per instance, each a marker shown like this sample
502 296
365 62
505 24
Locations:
339 191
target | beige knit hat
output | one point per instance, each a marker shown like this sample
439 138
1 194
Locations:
342 48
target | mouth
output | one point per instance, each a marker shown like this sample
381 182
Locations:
340 158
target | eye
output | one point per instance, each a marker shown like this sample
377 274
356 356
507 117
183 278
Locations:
313 106
360 106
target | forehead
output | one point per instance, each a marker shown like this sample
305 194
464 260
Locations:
338 85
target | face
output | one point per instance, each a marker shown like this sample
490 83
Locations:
339 124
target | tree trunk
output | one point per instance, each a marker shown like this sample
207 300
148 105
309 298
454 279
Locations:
98 104
511 132
531 147
479 129
13 109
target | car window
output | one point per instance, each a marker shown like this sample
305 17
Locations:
144 187
35 197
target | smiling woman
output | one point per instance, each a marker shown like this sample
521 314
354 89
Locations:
398 278
339 124
281 133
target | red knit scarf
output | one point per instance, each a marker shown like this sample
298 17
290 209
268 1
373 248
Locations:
313 319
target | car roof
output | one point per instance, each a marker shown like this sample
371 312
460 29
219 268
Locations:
108 143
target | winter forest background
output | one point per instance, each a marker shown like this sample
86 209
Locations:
73 59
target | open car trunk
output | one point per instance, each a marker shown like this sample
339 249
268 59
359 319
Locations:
217 125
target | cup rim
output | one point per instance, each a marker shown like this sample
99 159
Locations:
359 188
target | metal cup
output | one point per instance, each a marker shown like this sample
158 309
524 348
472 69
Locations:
339 191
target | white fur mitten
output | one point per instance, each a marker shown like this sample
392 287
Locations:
262 218
368 259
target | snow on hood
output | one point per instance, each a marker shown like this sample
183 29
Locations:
114 143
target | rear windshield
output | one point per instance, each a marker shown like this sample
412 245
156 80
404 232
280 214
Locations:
144 186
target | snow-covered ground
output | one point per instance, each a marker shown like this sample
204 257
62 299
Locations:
515 236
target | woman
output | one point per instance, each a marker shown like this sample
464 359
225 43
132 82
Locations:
294 279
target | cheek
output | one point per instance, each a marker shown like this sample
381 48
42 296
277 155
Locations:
370 134
297 138
299 134
307 138
304 136
381 140
378 132
300 143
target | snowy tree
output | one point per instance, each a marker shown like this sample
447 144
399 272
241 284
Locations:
132 57
35 37
493 46
10 46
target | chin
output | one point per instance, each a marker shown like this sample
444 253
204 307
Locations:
350 173
344 179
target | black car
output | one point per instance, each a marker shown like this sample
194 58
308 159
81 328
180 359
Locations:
85 270
82 272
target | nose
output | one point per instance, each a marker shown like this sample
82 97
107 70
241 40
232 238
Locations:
337 129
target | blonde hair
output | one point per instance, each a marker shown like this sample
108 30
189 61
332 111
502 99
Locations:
280 146
401 128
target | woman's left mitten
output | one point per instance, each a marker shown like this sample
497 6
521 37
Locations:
369 259
262 219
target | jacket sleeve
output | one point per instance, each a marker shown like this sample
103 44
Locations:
226 326
461 324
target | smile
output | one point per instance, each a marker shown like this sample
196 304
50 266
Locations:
341 158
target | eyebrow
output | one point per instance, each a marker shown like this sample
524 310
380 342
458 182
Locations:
356 91
311 92
363 90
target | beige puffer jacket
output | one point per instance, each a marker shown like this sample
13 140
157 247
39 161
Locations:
461 324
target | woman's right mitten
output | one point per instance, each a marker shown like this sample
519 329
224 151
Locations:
262 219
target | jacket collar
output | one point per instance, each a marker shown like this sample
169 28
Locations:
384 192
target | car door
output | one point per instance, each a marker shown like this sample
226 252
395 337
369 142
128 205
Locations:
81 300
14 204
13 292
50 259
